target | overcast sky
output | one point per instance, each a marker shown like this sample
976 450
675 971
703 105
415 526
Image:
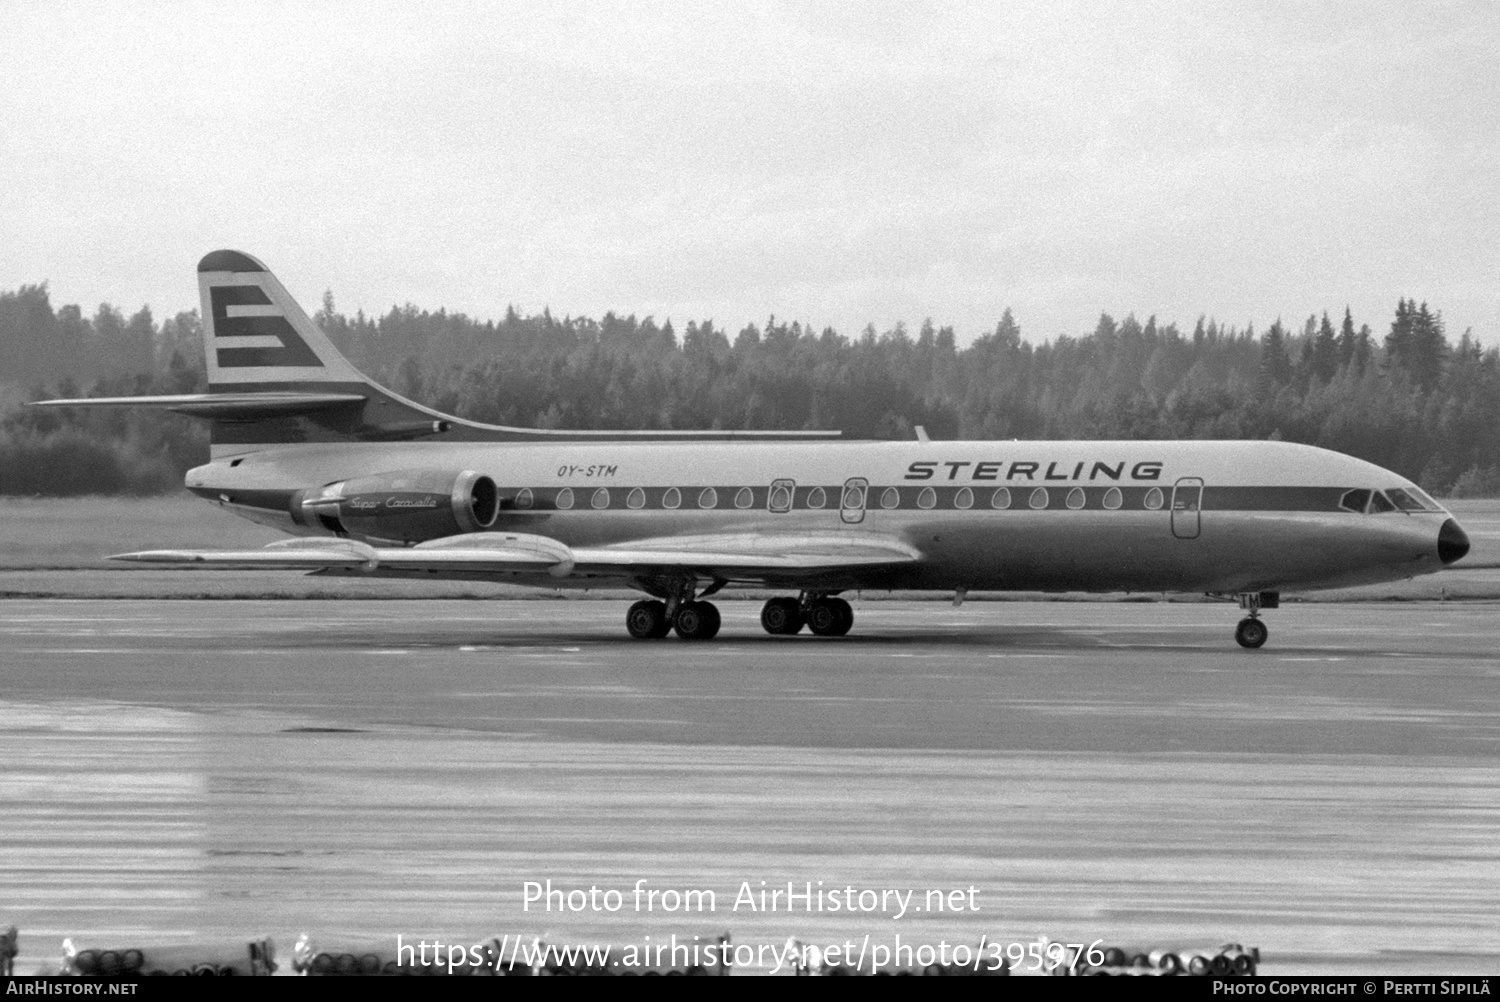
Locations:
840 164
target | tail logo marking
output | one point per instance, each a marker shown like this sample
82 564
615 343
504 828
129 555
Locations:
251 332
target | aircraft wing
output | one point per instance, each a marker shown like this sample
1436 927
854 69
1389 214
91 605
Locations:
732 557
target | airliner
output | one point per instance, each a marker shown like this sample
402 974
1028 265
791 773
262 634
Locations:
369 483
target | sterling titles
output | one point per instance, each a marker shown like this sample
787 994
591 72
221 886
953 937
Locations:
967 469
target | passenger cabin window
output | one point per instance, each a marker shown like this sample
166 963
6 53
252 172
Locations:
1379 503
1355 500
671 499
817 498
927 499
524 498
1000 499
1076 498
637 498
1154 498
1039 498
1113 498
709 498
964 498
601 498
565 498
745 498
891 498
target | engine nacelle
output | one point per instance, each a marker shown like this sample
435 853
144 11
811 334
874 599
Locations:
409 506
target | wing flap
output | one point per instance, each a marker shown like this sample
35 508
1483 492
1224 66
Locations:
744 554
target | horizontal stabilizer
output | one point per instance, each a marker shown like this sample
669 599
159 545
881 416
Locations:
229 406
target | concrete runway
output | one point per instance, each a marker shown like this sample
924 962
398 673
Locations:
221 769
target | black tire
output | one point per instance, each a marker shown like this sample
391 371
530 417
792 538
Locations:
782 617
830 617
697 621
846 616
1251 633
822 617
647 620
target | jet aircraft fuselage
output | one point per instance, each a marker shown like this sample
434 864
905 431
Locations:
367 482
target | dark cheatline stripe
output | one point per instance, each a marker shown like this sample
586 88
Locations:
1272 498
270 500
1305 499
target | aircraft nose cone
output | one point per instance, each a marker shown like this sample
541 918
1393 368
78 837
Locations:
1453 542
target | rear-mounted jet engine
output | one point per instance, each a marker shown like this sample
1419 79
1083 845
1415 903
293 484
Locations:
410 506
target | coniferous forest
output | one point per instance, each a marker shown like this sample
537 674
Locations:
1393 390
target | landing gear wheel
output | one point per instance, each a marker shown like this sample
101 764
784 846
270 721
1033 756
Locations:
846 616
782 617
830 617
697 621
1251 633
647 620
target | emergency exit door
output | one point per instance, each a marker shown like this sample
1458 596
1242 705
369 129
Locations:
1187 507
852 502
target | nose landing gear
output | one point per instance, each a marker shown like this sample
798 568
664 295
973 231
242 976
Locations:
1251 632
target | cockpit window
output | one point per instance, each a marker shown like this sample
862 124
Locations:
1407 500
1423 497
1355 500
1379 503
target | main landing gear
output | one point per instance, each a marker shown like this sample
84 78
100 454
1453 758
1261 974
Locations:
1251 632
824 615
648 620
692 618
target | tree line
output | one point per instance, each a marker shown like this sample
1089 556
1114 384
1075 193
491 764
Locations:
1404 397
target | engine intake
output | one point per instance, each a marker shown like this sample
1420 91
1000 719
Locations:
410 506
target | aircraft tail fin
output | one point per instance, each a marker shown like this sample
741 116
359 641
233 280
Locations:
275 379
256 336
